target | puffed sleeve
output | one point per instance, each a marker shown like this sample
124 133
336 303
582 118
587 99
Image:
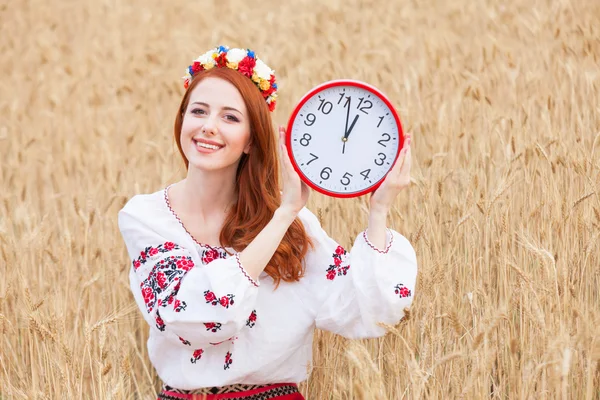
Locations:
352 291
189 302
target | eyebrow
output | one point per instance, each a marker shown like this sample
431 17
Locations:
224 108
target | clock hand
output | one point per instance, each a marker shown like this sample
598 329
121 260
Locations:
348 101
346 104
345 138
351 126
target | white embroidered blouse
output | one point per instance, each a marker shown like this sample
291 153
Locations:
212 325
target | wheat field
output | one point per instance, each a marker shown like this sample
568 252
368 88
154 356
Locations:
503 102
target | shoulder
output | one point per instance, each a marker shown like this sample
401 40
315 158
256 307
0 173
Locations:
142 208
143 202
309 219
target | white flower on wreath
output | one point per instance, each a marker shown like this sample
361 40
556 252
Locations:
262 70
207 59
236 55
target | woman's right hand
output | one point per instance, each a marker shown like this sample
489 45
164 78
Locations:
295 190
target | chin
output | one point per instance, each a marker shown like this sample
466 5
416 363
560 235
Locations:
212 162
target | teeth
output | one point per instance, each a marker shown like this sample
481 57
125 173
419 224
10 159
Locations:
208 146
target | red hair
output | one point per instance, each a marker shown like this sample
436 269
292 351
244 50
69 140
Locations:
257 184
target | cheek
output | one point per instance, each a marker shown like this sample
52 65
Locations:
186 127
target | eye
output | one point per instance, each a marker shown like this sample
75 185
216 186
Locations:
198 111
232 118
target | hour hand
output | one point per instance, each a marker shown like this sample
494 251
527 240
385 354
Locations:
351 127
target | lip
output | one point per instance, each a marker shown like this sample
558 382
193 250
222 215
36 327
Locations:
205 141
205 150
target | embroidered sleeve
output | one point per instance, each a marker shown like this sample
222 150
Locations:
354 290
194 304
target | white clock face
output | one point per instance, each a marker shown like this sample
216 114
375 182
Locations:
344 140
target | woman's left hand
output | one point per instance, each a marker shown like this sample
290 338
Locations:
396 180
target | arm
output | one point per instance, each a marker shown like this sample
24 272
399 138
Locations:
259 252
193 303
352 291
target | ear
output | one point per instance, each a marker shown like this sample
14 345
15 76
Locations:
248 147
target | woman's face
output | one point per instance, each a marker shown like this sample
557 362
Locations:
216 130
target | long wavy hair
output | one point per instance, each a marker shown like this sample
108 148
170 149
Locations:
257 182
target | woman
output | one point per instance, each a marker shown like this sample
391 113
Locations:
232 274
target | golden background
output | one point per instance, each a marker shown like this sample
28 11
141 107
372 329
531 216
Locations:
502 99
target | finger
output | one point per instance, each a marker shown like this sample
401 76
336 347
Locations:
396 170
287 163
407 162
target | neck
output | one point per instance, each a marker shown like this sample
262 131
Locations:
209 193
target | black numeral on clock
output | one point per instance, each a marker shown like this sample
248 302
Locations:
305 141
346 179
379 161
380 121
368 105
326 173
325 107
384 140
310 118
366 173
315 158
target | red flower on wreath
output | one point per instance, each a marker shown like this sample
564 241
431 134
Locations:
197 67
246 66
221 60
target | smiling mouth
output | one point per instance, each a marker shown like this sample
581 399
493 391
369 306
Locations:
206 145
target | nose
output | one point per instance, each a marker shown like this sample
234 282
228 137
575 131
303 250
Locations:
210 125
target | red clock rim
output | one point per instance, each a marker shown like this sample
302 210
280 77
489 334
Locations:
308 96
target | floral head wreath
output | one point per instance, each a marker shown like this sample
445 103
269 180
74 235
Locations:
241 60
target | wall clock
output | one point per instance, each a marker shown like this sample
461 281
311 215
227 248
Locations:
343 137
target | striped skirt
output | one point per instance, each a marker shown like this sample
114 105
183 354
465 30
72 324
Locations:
280 391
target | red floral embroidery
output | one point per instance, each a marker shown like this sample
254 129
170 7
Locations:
213 326
197 355
337 268
161 286
209 255
152 251
228 360
186 342
225 301
212 299
251 319
160 324
402 290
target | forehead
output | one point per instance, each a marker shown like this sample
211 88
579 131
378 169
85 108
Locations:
218 93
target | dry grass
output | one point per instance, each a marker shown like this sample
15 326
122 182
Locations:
503 102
